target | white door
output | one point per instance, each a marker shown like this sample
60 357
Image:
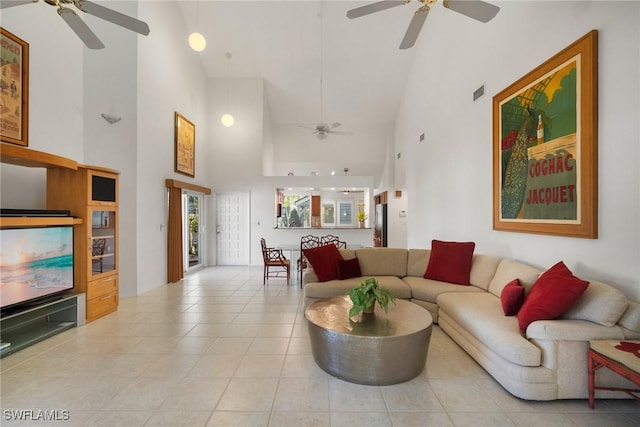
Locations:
233 228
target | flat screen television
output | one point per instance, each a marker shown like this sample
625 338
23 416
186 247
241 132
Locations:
35 263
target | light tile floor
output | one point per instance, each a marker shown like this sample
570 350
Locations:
219 349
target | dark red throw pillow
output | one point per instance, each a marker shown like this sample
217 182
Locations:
512 297
323 259
348 268
555 291
450 262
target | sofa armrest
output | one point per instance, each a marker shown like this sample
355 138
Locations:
571 330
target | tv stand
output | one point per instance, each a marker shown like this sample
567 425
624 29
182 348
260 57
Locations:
31 325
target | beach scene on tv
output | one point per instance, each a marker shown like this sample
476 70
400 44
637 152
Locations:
35 262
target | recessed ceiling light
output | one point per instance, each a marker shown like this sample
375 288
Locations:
333 172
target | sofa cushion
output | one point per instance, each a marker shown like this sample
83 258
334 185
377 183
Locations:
395 285
508 270
348 269
347 253
450 261
483 268
324 259
417 262
428 289
480 314
555 291
600 304
382 261
512 297
631 317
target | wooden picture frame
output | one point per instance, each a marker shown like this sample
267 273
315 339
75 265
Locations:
545 155
185 145
14 89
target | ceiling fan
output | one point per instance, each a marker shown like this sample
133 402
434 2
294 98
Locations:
476 9
78 26
322 130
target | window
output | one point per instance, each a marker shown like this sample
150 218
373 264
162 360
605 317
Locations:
345 213
328 213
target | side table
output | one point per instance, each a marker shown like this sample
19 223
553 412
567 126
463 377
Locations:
611 354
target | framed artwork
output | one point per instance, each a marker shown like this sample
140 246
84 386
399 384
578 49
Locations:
185 142
545 155
14 89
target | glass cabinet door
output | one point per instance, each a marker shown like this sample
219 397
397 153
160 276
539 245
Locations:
102 242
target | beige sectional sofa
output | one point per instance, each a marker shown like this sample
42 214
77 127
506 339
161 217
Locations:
548 362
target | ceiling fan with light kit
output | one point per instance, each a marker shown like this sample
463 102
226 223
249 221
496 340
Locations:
78 26
322 130
475 9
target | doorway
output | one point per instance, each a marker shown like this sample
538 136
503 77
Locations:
192 230
232 230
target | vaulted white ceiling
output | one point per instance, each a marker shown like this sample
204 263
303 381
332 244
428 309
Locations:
292 45
363 71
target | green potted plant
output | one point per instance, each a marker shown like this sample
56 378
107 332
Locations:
365 295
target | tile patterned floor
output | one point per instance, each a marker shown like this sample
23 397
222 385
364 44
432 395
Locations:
219 349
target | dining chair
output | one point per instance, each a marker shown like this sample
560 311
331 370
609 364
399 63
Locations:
306 242
329 238
274 262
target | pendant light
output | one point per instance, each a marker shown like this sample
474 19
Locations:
227 119
197 40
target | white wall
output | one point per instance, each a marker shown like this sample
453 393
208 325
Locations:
268 155
110 86
449 175
143 79
55 99
235 158
170 78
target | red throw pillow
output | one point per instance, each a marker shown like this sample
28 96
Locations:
348 268
323 259
450 261
512 297
555 291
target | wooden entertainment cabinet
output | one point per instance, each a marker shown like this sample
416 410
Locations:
90 193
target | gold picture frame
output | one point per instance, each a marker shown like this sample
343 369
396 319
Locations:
14 89
185 145
545 151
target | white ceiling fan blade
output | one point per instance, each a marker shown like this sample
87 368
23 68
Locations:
112 16
337 132
475 9
80 28
374 7
4 4
415 26
335 125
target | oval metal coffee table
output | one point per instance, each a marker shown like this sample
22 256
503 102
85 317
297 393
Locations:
373 349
